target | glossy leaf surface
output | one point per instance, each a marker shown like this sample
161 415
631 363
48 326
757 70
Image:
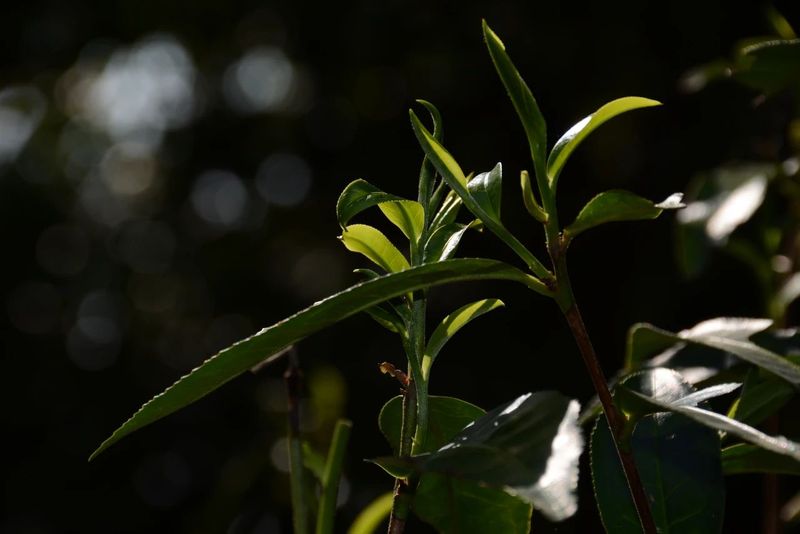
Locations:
487 188
727 334
610 206
256 349
443 243
777 444
575 135
678 461
451 324
446 418
524 103
529 447
375 246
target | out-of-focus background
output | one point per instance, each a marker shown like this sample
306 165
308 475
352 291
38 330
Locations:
168 175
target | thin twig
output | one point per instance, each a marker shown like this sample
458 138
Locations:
294 385
615 420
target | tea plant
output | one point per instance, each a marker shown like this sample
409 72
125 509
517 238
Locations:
463 470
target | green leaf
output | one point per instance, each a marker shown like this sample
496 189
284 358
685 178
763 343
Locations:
727 334
452 174
520 94
443 243
575 135
529 447
427 174
743 458
358 196
487 188
394 467
256 349
769 66
777 444
375 246
678 461
407 215
372 517
313 461
387 319
761 397
448 212
645 341
454 506
615 205
447 416
452 324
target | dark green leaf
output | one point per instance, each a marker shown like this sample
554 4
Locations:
454 506
761 397
769 66
575 135
744 458
243 355
678 461
646 341
443 243
521 96
375 246
487 188
710 419
615 205
447 416
449 211
387 319
452 324
394 467
529 447
358 196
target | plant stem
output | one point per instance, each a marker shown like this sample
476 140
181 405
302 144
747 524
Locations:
616 421
401 498
294 384
331 476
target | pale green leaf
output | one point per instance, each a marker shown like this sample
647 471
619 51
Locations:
575 135
372 517
375 246
407 215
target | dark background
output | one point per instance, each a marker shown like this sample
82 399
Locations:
177 193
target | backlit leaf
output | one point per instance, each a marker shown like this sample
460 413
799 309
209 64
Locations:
452 324
358 196
407 215
575 135
610 206
375 246
745 458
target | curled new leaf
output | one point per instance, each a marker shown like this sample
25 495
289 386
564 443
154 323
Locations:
374 245
486 188
358 196
616 205
575 135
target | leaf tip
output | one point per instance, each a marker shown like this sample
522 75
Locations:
672 202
